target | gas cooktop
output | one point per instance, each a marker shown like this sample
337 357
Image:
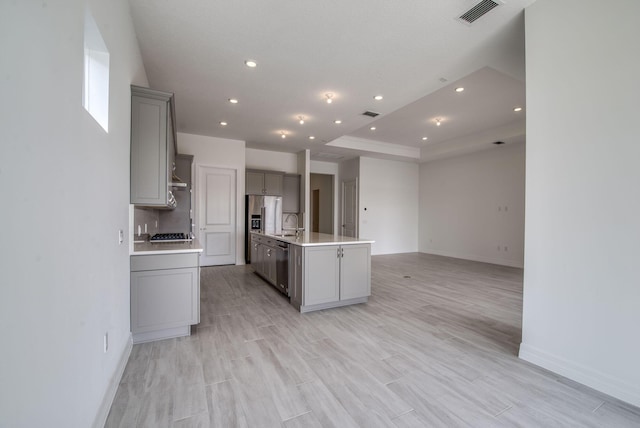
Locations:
170 237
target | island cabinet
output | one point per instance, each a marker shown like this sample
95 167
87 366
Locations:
264 258
327 276
264 183
165 295
153 147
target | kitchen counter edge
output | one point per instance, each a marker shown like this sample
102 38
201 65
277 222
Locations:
148 248
317 239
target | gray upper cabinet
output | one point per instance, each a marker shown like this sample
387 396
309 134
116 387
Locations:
152 146
291 194
255 183
264 183
273 183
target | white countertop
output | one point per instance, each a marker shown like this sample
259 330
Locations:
308 239
146 248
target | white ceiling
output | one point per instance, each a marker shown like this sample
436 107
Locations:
414 53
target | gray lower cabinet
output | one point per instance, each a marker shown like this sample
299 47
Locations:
152 146
355 271
321 275
264 261
165 295
330 275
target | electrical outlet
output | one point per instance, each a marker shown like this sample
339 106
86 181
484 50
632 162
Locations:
145 228
106 342
120 236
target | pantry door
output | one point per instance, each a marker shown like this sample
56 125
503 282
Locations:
217 215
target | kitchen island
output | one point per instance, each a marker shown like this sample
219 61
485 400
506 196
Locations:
324 271
165 289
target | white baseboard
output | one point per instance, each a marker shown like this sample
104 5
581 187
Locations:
110 394
595 379
476 258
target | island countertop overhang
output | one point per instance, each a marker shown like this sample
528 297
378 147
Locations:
310 239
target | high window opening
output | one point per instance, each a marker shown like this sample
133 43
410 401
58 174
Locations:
95 89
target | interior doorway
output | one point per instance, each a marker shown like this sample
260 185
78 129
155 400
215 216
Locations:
216 217
322 203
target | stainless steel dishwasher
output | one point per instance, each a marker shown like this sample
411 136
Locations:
282 267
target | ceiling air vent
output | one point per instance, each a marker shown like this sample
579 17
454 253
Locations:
478 11
370 113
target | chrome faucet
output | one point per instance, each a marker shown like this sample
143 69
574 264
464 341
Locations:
292 214
297 229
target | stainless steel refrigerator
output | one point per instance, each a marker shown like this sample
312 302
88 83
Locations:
262 214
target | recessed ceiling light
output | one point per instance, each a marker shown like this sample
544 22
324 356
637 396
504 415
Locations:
329 97
283 134
438 121
337 121
459 89
424 138
373 128
301 119
223 123
311 137
517 109
377 97
251 63
233 100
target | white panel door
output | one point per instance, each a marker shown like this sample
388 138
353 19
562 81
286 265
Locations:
350 208
217 215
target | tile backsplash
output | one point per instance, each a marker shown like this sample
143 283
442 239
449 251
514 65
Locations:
148 216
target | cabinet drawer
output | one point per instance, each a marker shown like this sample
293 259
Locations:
163 261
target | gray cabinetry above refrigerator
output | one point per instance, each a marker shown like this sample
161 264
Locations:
264 182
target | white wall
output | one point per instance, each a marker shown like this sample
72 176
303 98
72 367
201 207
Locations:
472 206
582 238
221 153
389 205
65 278
272 161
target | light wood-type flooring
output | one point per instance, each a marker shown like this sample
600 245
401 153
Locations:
436 346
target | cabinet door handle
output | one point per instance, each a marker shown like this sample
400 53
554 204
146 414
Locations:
338 252
341 252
